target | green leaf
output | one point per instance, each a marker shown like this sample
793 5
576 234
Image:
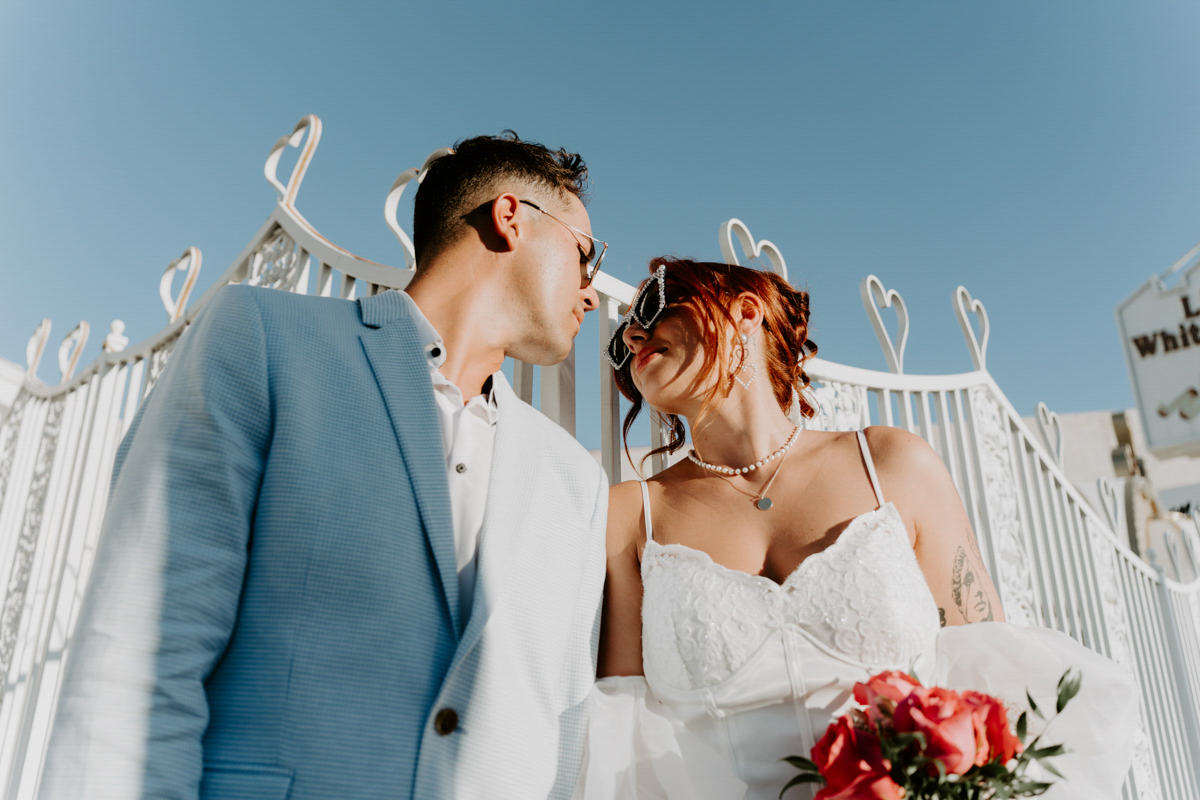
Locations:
1050 768
800 762
799 779
1030 787
1032 705
1068 687
1022 727
1047 752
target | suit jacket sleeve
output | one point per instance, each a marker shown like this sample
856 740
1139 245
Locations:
169 567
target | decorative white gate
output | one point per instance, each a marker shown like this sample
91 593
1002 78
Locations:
1056 561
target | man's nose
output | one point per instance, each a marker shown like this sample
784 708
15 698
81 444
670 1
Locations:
591 300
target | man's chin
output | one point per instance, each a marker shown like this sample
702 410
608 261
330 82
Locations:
548 355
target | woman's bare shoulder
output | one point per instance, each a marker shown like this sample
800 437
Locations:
896 451
624 514
913 475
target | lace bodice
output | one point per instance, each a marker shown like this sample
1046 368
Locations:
864 598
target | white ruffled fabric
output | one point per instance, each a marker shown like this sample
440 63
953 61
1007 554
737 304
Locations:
1098 725
638 748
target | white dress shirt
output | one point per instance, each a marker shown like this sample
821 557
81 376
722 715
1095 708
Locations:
468 436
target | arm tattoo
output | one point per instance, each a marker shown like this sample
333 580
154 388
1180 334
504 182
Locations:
942 617
967 590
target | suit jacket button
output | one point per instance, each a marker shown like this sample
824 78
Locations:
445 722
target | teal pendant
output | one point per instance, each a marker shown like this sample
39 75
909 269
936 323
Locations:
763 503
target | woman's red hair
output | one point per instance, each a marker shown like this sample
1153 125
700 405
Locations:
707 290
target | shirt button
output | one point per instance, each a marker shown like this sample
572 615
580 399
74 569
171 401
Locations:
460 468
445 722
435 352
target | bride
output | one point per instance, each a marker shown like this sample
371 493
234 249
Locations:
754 582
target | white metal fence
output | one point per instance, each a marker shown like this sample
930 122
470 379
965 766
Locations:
1056 561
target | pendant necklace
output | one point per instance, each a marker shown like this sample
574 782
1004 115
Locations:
761 501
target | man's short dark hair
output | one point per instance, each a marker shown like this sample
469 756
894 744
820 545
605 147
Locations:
457 184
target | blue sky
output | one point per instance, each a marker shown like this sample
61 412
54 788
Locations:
1046 155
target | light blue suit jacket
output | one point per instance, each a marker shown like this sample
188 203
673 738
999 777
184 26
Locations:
274 607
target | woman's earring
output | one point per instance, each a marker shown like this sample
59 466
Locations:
742 352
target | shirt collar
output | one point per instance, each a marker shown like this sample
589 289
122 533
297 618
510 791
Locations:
435 356
431 340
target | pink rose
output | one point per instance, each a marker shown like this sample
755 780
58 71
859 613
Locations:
852 765
881 693
948 722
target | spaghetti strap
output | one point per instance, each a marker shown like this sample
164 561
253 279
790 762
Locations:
646 510
866 456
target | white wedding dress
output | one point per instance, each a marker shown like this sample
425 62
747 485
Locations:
741 671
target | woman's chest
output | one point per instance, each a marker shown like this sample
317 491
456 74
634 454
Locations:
864 598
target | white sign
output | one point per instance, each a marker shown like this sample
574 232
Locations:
1160 334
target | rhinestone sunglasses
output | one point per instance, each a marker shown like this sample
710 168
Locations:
646 308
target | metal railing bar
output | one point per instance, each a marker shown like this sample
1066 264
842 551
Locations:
610 397
1062 545
57 539
1187 726
1138 627
1054 601
1088 553
1089 615
949 431
972 479
1025 503
1163 684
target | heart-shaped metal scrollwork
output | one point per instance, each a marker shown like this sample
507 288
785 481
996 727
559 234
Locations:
35 348
1049 423
964 305
287 194
752 249
189 264
393 202
71 348
1112 503
874 296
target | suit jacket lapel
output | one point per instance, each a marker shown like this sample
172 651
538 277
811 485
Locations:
515 467
398 361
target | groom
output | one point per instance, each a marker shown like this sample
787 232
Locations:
341 558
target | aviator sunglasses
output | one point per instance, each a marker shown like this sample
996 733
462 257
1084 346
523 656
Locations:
646 308
589 260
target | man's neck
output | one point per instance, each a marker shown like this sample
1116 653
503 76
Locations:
465 319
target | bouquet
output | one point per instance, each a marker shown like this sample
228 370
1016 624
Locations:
912 742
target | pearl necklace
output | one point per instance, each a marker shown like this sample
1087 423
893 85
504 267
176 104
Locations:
761 501
695 459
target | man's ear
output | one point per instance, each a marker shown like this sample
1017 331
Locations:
506 222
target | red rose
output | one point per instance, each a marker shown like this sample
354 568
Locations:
994 739
882 692
947 721
852 765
